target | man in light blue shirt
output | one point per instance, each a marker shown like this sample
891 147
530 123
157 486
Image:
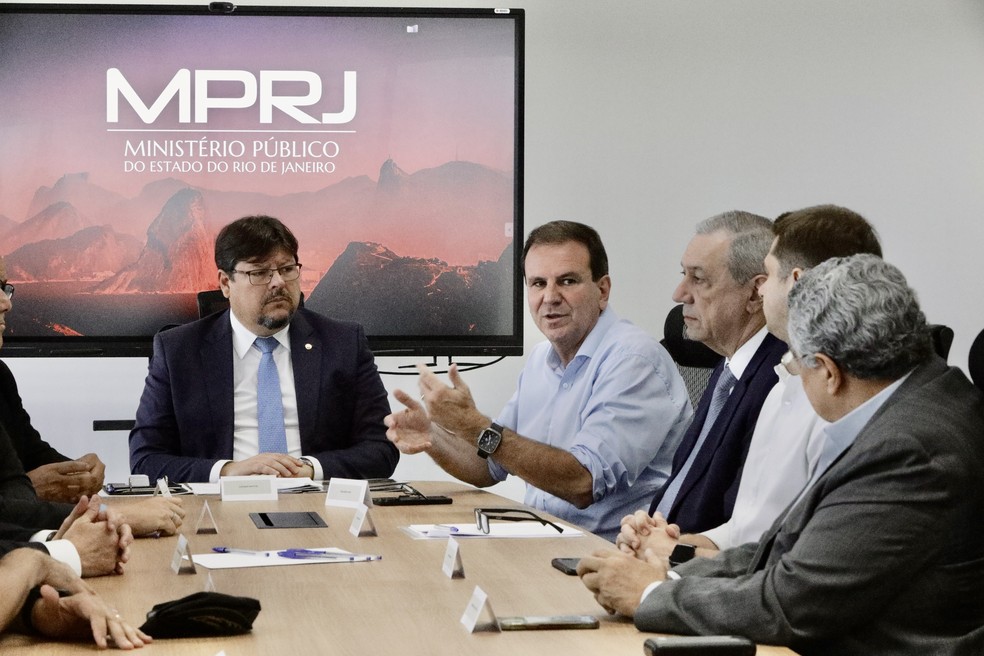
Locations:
599 409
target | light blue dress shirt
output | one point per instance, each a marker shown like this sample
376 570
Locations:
619 407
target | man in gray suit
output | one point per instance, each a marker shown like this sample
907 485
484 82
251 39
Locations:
882 553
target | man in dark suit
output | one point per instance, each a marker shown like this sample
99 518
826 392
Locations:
92 539
722 268
266 387
882 552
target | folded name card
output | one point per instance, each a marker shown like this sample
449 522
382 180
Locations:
348 493
248 488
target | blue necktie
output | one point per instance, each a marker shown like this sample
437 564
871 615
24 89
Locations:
269 403
725 382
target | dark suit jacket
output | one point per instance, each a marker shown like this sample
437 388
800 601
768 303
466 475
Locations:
31 449
19 504
185 419
707 496
883 555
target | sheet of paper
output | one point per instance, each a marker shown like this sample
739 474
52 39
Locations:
212 560
280 484
496 530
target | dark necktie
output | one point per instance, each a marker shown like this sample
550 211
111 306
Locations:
725 382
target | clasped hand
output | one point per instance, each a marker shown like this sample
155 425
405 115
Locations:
641 533
68 481
618 580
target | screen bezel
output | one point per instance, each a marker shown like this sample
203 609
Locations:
381 345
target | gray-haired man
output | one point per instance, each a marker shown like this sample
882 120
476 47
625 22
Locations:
882 552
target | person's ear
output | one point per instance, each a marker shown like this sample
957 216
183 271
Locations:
833 377
754 304
224 283
605 285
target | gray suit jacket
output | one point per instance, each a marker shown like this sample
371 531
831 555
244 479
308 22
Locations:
883 555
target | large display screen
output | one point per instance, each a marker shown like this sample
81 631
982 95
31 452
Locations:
389 141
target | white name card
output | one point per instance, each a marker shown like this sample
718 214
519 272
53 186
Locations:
162 488
248 488
477 608
348 493
362 524
452 566
181 552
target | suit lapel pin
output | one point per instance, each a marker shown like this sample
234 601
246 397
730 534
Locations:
308 347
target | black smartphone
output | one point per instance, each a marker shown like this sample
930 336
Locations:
541 623
411 500
699 645
566 565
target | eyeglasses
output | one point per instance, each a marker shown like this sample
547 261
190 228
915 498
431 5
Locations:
263 276
483 515
8 290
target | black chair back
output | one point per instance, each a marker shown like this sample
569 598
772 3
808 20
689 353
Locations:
694 360
942 339
975 362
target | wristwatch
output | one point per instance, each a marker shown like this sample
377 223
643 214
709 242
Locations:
682 553
489 440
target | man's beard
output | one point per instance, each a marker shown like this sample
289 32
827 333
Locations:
276 323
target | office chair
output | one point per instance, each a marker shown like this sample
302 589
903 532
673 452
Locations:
211 301
975 362
942 339
694 360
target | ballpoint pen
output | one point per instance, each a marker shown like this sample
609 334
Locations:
327 555
239 551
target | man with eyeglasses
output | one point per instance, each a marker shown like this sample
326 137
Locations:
266 387
90 536
881 552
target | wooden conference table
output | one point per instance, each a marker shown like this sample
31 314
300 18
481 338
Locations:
402 604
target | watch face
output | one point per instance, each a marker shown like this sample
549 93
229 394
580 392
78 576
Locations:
489 440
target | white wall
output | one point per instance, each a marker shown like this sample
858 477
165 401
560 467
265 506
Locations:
645 116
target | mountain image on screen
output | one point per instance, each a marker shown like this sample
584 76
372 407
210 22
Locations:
427 252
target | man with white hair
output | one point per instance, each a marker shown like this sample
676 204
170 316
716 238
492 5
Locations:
882 553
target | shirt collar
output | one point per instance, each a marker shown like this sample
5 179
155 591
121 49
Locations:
845 430
738 362
590 344
243 337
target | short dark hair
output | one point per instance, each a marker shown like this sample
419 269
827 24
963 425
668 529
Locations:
252 238
807 237
561 232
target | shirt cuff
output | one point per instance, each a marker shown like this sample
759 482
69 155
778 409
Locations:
319 472
65 552
673 576
42 536
213 476
719 535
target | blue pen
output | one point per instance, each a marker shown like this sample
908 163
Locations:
326 555
447 527
239 551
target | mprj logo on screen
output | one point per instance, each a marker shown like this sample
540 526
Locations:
292 93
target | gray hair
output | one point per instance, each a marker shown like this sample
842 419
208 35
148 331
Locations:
751 238
860 312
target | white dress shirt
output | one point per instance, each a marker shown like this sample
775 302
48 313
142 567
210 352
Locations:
783 452
245 367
